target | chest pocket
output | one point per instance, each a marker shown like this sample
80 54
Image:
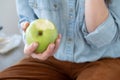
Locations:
50 5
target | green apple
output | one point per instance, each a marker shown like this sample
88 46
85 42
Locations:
43 32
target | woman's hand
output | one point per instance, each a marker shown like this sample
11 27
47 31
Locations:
29 49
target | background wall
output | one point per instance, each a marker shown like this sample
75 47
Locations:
9 21
8 16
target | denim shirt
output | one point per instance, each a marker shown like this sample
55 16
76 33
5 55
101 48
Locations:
77 45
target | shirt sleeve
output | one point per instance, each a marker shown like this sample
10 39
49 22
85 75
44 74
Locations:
25 12
106 32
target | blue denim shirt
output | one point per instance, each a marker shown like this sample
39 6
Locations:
77 45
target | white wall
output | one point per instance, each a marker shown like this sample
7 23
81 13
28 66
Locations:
8 16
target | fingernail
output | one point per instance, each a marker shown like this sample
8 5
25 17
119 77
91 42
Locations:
52 46
35 45
60 35
58 40
33 55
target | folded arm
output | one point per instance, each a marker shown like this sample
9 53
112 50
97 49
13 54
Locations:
96 13
102 23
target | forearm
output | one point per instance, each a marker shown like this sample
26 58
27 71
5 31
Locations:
96 13
24 11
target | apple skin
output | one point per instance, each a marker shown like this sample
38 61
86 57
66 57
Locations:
43 32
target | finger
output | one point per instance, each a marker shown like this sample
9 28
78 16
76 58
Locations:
59 36
46 54
49 52
24 25
50 49
57 45
57 42
30 49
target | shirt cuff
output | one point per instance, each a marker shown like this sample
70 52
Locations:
103 34
25 20
22 32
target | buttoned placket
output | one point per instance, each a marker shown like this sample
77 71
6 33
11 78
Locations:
70 30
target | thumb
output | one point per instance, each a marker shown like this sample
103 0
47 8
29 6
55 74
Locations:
24 25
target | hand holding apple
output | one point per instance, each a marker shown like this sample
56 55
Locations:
51 49
29 49
41 31
24 25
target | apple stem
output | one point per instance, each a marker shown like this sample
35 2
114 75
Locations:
40 33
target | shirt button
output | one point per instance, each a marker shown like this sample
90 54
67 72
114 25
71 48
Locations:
35 5
71 10
55 6
71 16
69 39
